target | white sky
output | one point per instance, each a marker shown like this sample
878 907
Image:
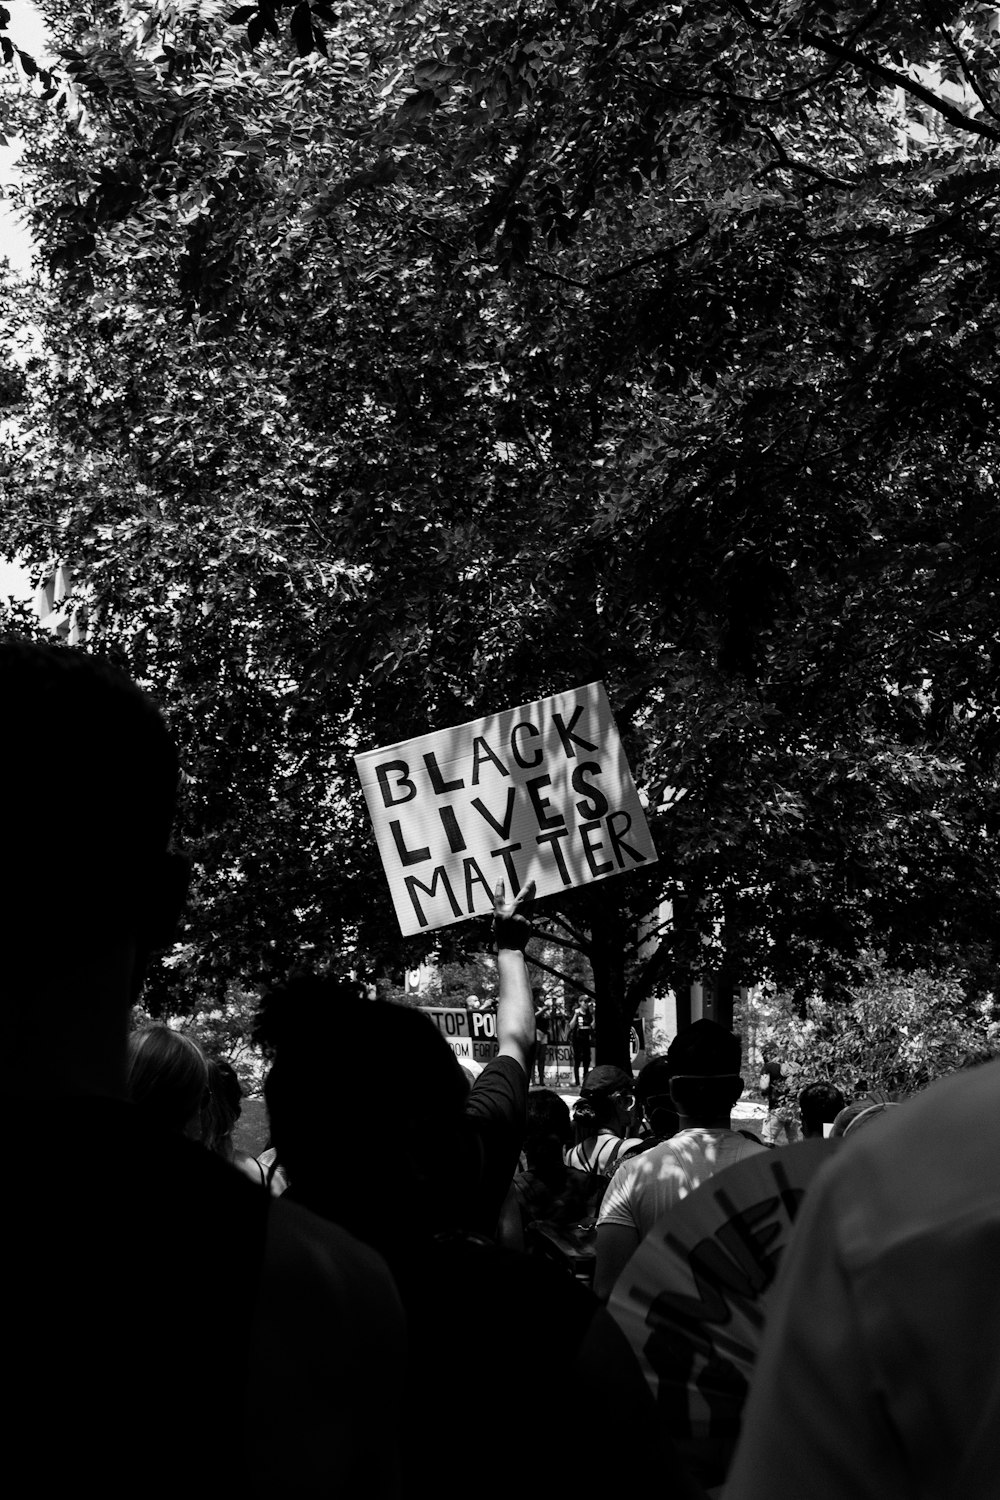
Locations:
26 30
14 580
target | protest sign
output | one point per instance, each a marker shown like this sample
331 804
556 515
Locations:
472 1035
542 792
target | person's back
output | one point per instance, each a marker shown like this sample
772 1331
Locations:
878 1376
147 1270
418 1192
655 1106
601 1118
126 1235
553 1206
128 1245
704 1060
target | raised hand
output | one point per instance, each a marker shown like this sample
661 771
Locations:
511 927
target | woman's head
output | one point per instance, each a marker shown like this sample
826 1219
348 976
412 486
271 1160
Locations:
604 1102
224 1106
168 1079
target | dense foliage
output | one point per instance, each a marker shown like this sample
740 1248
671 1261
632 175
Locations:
890 1036
395 365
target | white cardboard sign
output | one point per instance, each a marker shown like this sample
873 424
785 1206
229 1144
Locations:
542 792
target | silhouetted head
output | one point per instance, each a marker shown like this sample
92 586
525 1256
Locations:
652 1092
704 1064
819 1105
168 1079
366 1105
90 779
548 1129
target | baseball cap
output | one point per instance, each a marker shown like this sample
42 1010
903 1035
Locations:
606 1079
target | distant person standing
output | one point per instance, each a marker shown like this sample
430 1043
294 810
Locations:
543 1027
581 1037
773 1091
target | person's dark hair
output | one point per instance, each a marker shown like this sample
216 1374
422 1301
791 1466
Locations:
704 1061
224 1105
705 1098
167 1077
598 1101
90 775
819 1105
548 1129
652 1091
365 1100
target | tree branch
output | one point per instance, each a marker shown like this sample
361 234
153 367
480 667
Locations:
958 54
566 924
550 937
787 163
581 286
664 254
949 112
566 978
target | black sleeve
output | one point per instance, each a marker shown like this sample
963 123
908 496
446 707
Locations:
495 1114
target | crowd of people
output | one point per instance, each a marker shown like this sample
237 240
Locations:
415 1291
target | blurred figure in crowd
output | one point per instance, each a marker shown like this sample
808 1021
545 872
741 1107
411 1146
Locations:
878 1376
601 1116
819 1106
705 1083
124 1227
168 1080
224 1109
428 1173
581 1038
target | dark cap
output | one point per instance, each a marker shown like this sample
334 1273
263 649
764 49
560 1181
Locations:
705 1050
606 1079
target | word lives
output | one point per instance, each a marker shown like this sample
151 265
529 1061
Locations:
542 792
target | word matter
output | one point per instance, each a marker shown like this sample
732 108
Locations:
542 792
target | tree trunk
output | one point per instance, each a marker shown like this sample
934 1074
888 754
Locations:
725 995
613 1016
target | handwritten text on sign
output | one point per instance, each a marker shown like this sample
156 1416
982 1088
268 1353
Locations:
541 793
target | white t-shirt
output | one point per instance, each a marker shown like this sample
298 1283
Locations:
644 1187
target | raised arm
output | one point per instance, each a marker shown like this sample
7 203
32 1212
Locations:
515 1012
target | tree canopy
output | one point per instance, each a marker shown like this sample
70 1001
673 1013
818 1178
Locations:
393 366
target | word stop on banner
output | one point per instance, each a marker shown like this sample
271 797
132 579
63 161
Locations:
542 792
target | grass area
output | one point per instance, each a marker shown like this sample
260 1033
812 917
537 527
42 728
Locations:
251 1133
